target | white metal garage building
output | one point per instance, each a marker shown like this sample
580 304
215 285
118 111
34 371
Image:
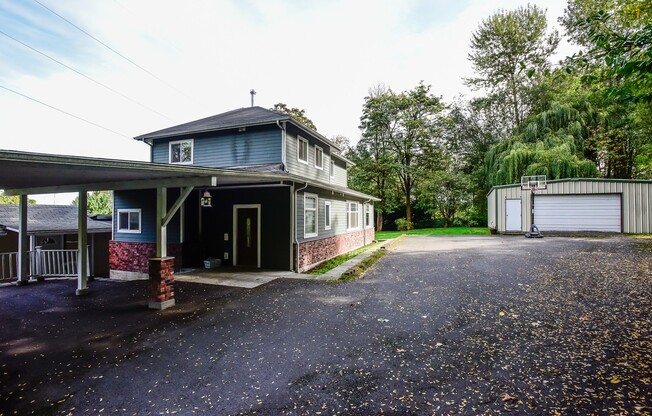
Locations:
606 205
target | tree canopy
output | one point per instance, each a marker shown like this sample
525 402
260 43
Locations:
297 113
99 202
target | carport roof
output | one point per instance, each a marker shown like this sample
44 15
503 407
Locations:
37 173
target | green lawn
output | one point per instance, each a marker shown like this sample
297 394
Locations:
384 235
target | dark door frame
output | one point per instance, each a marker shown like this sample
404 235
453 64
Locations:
235 231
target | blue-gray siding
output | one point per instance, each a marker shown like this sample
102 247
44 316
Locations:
308 170
338 216
145 200
254 146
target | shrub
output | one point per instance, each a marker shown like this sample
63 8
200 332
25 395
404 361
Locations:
403 225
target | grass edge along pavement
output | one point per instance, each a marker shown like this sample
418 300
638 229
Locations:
330 264
384 235
357 266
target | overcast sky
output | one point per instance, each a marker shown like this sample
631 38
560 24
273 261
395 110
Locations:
184 60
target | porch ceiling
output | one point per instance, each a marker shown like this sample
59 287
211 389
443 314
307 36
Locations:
35 173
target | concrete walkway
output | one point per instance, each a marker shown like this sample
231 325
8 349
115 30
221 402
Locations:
251 278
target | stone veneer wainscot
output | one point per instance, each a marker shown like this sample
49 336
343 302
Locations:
131 260
316 251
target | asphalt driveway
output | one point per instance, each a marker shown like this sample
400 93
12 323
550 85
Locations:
440 325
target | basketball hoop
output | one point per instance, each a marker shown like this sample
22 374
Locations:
532 184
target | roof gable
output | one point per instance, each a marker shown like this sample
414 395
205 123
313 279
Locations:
241 117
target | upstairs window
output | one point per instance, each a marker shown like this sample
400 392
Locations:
310 215
181 151
352 215
302 151
332 167
129 220
319 157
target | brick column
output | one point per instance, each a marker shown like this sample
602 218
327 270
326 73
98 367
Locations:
161 283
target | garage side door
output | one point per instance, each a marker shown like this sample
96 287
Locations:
578 212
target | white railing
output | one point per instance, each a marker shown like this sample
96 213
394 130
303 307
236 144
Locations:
8 269
43 263
55 263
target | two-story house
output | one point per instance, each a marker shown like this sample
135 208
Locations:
286 206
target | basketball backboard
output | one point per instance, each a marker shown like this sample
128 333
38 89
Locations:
533 183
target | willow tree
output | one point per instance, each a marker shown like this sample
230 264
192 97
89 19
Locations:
551 144
510 52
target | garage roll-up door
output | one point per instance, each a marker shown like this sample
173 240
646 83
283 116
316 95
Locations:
578 212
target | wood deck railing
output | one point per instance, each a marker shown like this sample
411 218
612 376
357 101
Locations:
8 266
42 263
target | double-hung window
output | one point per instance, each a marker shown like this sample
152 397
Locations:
181 151
332 167
302 149
352 215
367 215
310 202
327 215
129 220
319 157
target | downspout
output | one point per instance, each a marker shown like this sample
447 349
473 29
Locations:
283 144
296 225
151 150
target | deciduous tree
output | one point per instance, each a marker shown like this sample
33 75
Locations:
510 52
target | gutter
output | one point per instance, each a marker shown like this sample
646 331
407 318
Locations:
296 226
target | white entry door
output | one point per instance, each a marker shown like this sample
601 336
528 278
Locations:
513 215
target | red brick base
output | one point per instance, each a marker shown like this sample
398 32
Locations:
317 251
161 282
134 257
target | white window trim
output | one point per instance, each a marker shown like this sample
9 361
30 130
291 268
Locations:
332 167
129 211
319 149
192 151
348 216
368 207
316 209
299 141
328 215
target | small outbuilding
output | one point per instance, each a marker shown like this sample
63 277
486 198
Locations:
572 205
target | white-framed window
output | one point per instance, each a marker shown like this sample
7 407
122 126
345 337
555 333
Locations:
302 150
129 220
310 204
328 210
368 215
181 151
332 167
319 157
352 215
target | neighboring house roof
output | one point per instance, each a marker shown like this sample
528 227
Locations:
242 117
49 219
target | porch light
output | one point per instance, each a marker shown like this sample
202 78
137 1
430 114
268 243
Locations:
3 230
206 200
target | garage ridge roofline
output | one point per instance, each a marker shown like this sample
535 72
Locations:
511 185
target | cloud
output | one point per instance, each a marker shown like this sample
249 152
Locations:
321 56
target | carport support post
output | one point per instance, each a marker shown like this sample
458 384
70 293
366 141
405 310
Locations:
161 267
82 251
23 251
